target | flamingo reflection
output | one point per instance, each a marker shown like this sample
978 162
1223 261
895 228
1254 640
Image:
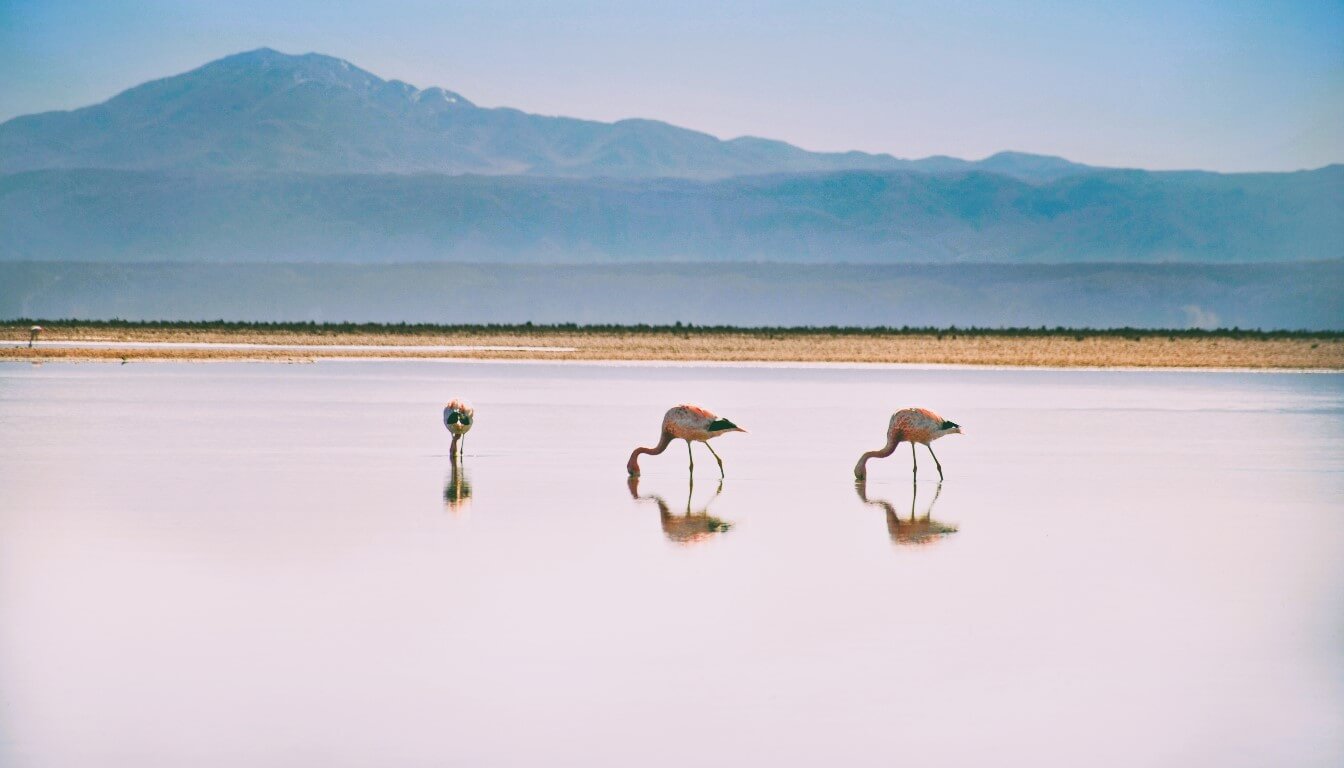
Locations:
915 531
690 527
457 491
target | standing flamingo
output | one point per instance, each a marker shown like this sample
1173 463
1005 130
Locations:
692 424
32 334
458 417
913 425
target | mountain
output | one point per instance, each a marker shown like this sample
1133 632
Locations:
268 186
888 217
265 111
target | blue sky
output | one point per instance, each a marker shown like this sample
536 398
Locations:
1226 86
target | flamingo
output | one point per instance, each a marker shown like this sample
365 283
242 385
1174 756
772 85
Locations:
458 417
692 424
913 425
32 334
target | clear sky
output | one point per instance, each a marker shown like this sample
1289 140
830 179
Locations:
1221 85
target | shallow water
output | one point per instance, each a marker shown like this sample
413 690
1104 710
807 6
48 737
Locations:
262 564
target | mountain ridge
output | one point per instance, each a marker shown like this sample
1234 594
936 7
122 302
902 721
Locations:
264 110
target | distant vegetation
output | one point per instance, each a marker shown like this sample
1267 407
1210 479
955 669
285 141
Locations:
433 329
1297 296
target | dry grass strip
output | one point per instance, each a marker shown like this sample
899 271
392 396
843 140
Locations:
1074 349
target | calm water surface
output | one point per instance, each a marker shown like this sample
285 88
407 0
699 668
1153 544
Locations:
276 565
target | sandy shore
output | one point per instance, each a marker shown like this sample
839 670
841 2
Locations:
1079 349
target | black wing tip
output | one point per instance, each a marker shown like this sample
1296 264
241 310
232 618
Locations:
949 425
721 424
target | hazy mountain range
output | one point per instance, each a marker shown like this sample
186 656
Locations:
853 216
264 156
267 158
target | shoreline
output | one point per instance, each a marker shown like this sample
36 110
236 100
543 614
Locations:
1125 349
767 364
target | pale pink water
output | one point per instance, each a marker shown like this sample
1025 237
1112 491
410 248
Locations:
271 565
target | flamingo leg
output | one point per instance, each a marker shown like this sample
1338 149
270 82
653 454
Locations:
936 464
915 459
716 458
691 456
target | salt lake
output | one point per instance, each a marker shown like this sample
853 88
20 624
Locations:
222 564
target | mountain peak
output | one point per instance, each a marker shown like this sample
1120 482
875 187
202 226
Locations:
1022 164
305 67
256 54
270 56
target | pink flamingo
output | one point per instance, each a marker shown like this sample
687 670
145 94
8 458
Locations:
913 425
458 417
692 424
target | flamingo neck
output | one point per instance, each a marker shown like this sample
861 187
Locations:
861 469
632 466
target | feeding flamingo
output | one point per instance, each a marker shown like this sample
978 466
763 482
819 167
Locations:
32 334
692 424
458 417
913 425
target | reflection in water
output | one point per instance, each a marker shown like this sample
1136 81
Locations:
688 528
457 491
916 531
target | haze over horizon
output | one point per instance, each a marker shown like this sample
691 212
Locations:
1197 85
